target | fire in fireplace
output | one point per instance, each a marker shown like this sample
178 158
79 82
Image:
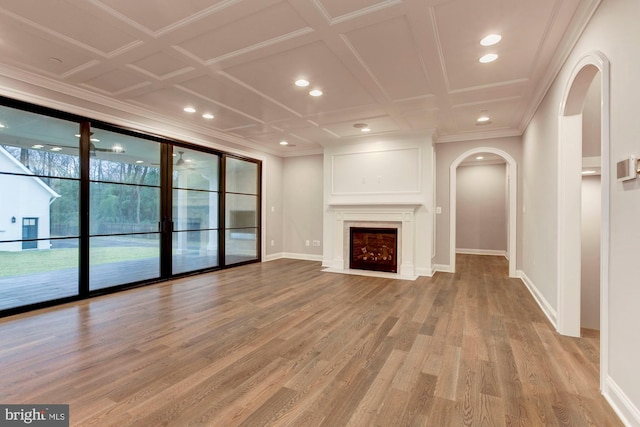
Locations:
373 249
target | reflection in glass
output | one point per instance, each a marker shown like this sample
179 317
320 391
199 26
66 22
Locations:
118 208
116 260
195 210
194 250
241 211
37 275
240 245
195 170
241 176
122 158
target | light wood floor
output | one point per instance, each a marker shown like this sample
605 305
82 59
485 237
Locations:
282 343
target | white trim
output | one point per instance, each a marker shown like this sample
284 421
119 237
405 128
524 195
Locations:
273 257
303 257
513 186
621 404
442 268
370 273
544 305
424 272
491 252
600 61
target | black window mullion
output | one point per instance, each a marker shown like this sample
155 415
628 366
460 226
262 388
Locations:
83 267
222 223
166 214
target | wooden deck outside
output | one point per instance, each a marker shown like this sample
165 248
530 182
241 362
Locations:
282 343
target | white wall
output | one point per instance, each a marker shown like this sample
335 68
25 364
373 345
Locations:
590 260
382 171
302 206
481 214
273 205
615 32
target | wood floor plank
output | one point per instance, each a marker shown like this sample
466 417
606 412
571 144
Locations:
284 344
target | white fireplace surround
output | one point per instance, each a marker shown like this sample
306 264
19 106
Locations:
398 216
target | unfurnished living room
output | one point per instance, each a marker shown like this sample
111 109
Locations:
319 213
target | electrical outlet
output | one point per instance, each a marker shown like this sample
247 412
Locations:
316 243
273 243
438 210
306 243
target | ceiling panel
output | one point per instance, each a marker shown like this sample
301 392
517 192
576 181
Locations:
114 81
270 23
275 74
174 100
160 64
238 98
337 8
155 15
24 46
522 25
65 20
388 49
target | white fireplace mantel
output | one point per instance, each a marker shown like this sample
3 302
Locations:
392 215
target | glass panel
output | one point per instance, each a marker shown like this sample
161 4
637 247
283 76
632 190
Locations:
32 144
118 208
241 176
53 202
194 210
195 170
240 245
115 260
241 211
121 158
194 250
31 276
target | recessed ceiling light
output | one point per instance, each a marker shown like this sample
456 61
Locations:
189 109
94 139
77 135
284 143
482 119
1 125
489 57
490 40
302 83
207 116
139 161
38 146
479 157
365 130
56 149
589 172
315 92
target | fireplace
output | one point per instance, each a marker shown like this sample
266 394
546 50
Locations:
373 249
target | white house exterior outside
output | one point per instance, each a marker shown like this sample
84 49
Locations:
24 206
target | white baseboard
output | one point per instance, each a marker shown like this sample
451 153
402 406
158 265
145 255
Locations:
272 257
442 268
426 272
547 309
628 413
304 257
481 252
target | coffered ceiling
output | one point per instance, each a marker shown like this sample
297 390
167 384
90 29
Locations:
401 67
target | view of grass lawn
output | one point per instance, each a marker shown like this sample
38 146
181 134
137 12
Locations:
37 261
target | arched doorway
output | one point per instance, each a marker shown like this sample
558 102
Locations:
512 198
590 67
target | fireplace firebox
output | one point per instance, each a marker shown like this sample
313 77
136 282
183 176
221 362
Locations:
373 249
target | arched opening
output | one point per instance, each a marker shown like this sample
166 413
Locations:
511 184
576 154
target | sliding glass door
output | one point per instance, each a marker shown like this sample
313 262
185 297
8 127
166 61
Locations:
89 208
195 194
39 208
241 210
124 210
